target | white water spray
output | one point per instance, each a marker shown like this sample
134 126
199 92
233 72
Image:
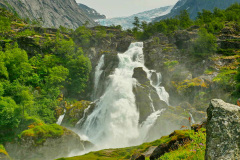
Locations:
98 72
115 121
60 119
148 123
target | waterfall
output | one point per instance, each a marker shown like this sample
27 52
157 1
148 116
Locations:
60 119
98 72
150 121
162 93
115 120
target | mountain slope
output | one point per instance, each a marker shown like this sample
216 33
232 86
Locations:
52 13
90 12
126 22
195 6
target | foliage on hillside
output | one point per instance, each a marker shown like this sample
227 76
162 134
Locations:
210 26
212 21
37 66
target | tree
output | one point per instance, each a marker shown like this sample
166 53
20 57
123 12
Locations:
9 117
205 44
16 62
79 70
57 75
136 22
4 25
205 16
82 35
184 19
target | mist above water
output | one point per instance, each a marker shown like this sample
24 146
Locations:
114 123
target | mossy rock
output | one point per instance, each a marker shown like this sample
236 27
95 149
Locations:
40 133
29 122
74 113
45 142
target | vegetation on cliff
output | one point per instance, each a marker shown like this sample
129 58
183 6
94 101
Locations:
43 70
212 21
37 66
217 40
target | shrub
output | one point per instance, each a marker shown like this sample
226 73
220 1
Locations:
205 44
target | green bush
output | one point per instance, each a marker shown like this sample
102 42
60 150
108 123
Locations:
205 44
9 118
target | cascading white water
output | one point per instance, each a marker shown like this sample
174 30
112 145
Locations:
162 93
148 123
60 119
98 72
114 122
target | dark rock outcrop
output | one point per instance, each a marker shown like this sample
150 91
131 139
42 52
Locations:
145 95
167 147
90 12
109 47
140 75
137 156
229 37
75 112
51 13
223 131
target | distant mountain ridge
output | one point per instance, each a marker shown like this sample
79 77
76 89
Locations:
126 22
52 13
90 12
195 6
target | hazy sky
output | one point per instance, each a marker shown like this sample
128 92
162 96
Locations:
117 8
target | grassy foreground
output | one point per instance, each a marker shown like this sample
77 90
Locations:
193 149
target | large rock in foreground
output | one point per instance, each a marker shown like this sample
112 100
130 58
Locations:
223 131
45 142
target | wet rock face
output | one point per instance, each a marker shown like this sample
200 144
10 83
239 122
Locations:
140 75
137 156
75 112
168 147
223 131
51 13
145 95
110 47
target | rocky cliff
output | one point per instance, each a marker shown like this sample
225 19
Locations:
90 12
195 6
223 130
51 13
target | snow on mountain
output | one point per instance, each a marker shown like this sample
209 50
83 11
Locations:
126 22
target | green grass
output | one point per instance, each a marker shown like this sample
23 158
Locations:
195 149
191 151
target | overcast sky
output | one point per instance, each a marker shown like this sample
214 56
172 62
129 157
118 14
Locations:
117 8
